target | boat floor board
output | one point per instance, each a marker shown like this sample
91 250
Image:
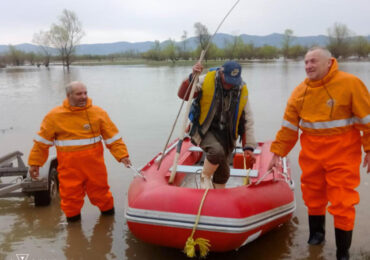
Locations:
193 181
233 172
237 150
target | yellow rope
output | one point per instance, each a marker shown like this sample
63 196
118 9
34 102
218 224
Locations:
203 243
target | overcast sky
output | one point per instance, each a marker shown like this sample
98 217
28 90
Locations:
148 20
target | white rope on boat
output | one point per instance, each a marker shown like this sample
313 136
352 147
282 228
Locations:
263 177
287 179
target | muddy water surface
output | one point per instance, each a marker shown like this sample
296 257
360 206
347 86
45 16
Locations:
142 101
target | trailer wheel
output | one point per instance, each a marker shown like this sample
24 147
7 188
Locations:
44 197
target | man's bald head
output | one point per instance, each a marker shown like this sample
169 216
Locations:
77 94
72 85
317 63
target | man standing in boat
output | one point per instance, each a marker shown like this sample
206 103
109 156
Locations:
77 128
330 107
220 113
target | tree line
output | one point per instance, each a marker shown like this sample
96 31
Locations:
66 34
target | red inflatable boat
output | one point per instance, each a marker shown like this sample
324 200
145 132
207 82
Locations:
165 214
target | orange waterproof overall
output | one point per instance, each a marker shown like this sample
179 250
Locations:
330 112
77 133
330 172
80 172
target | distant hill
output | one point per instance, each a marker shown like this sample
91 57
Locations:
220 40
276 40
26 47
116 47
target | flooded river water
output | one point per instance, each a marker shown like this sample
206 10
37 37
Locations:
142 102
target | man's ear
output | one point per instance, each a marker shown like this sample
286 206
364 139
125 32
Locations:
330 62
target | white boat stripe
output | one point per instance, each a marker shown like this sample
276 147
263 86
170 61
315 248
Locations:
217 224
77 142
213 228
43 140
289 125
208 219
113 139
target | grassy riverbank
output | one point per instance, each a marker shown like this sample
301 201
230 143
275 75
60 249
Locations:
208 63
125 61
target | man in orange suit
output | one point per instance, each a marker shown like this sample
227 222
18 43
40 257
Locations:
76 128
331 108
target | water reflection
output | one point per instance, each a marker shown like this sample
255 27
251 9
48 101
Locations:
20 70
97 246
139 250
26 220
275 244
316 252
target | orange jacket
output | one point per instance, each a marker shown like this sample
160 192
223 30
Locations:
76 128
335 104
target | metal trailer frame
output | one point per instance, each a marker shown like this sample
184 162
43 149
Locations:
44 189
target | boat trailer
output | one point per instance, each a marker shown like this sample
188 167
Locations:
43 190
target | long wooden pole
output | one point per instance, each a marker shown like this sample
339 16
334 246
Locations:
182 103
185 121
194 81
174 124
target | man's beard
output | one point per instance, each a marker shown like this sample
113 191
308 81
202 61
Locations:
82 103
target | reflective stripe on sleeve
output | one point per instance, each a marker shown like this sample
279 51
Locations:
365 120
43 140
113 139
78 142
290 125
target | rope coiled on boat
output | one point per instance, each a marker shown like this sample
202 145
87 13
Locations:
202 243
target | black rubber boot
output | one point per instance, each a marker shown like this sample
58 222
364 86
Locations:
317 229
74 218
108 212
343 241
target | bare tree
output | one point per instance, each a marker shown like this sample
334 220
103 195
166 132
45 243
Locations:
16 57
184 37
154 53
360 47
171 51
287 42
339 40
66 35
203 36
42 39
